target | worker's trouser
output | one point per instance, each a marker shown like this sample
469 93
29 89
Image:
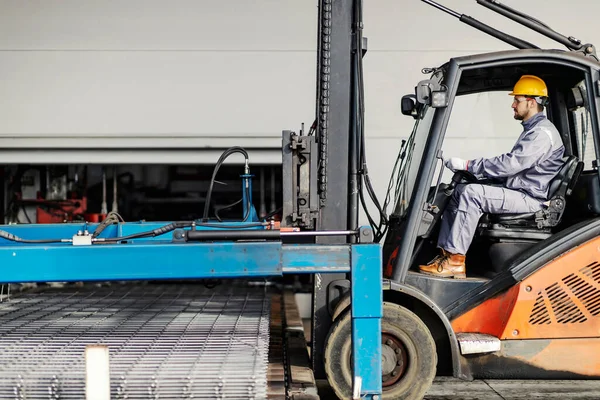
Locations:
469 202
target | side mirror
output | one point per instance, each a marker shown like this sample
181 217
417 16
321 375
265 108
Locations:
409 105
431 93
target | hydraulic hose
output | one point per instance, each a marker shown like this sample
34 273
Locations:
14 238
226 153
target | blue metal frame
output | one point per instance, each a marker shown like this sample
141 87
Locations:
163 258
367 311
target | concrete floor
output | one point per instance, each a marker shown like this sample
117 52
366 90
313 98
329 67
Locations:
454 389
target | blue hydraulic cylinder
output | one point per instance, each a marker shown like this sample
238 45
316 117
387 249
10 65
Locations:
249 211
367 311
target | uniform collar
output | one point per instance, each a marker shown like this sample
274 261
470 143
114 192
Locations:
533 121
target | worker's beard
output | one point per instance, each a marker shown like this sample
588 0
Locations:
518 116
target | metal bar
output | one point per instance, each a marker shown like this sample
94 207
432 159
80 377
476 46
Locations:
315 270
206 235
443 8
104 207
321 233
258 234
569 42
367 311
505 37
147 261
115 203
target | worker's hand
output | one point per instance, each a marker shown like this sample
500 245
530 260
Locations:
456 164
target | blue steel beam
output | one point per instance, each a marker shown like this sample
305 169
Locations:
157 260
367 311
143 261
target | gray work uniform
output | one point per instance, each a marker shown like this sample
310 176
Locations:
528 168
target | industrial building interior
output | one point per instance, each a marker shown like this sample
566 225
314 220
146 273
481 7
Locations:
70 193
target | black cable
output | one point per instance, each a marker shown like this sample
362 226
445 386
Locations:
155 232
397 164
359 144
223 226
273 213
217 210
40 241
25 213
364 180
313 128
177 225
226 153
111 218
14 238
248 205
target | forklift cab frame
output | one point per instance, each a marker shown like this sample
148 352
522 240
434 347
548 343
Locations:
562 71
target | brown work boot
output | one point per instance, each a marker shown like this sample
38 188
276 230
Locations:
446 265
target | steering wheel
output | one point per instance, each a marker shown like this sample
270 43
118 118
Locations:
463 175
460 176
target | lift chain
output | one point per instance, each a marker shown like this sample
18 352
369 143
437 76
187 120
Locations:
324 63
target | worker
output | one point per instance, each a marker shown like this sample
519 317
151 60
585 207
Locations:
526 172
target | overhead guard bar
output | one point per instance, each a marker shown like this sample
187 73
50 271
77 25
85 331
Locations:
509 39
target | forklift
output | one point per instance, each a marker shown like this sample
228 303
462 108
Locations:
528 308
530 305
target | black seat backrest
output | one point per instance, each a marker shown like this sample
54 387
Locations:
565 180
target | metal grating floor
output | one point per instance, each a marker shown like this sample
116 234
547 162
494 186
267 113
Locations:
165 342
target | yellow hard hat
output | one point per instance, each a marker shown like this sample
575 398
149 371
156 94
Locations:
530 85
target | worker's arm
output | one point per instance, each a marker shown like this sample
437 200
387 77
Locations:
526 153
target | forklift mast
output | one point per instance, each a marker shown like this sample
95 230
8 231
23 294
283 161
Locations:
322 166
336 116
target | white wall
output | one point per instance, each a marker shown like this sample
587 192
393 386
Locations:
214 73
152 73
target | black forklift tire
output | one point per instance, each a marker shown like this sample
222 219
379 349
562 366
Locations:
342 305
400 326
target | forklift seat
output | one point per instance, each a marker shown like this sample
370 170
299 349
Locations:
536 225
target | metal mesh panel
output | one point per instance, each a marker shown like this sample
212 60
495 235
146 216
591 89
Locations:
167 342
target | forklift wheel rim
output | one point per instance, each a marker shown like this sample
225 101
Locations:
401 358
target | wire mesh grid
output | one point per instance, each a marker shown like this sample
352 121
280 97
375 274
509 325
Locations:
165 342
